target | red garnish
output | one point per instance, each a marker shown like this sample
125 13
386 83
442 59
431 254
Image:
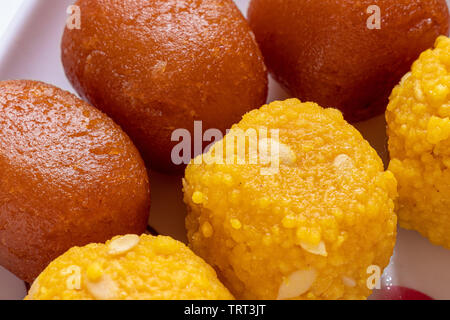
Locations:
398 293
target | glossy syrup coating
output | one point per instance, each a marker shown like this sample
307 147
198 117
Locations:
68 176
322 51
156 66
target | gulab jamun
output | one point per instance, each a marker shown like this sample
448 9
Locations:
68 176
345 54
157 66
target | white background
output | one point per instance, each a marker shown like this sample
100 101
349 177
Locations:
8 9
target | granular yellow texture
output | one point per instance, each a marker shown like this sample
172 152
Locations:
129 267
308 231
418 119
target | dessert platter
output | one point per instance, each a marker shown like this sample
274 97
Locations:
219 149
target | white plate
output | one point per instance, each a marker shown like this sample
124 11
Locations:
31 50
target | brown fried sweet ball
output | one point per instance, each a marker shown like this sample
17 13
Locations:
69 176
156 66
335 53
